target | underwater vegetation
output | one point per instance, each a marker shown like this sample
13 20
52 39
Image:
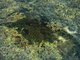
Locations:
39 29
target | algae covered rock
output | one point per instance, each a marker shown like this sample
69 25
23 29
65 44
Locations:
39 30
